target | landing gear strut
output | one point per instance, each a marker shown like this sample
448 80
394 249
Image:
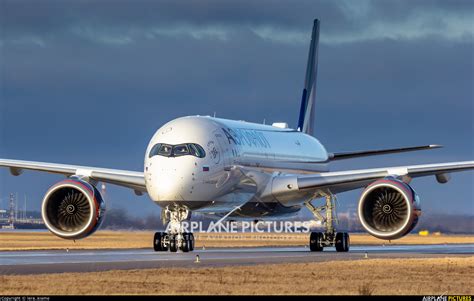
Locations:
175 239
328 238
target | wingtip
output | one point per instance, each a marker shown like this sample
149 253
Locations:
435 146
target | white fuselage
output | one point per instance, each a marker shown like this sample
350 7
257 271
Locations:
211 183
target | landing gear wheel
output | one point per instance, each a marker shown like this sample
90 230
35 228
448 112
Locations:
188 242
315 241
158 242
342 242
191 242
173 243
185 245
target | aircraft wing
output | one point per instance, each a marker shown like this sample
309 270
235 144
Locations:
367 153
340 181
130 179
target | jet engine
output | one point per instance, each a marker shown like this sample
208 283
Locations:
73 209
389 208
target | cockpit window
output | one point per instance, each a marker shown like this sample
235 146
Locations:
180 150
197 150
154 150
167 150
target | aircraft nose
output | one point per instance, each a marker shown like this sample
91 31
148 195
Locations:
170 185
174 181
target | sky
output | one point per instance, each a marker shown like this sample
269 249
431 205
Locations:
89 82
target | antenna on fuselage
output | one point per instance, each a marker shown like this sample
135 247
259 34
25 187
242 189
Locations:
214 115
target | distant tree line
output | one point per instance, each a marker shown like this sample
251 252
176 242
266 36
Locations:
120 219
445 223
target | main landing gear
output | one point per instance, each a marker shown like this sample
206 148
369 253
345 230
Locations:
175 239
328 238
173 242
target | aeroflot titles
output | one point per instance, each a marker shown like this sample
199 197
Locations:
252 138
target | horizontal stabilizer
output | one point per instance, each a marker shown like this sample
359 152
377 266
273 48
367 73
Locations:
366 153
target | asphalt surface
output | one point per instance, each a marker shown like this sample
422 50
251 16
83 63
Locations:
58 261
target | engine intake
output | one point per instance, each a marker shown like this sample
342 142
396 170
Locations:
389 208
73 209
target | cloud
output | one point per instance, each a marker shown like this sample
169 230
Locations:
101 36
125 22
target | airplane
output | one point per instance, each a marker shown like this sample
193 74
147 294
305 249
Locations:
237 169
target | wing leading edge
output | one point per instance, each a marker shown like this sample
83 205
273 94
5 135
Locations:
365 153
130 179
335 182
341 181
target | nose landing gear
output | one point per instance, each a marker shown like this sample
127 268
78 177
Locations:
176 239
328 238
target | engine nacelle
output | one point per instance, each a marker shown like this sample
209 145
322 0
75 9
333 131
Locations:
389 208
73 209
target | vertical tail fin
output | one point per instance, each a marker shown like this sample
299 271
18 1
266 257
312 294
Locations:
306 118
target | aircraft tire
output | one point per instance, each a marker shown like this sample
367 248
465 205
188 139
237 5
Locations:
342 242
173 244
191 242
315 241
185 247
157 242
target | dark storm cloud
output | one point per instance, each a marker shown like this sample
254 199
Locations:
88 82
121 22
48 15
